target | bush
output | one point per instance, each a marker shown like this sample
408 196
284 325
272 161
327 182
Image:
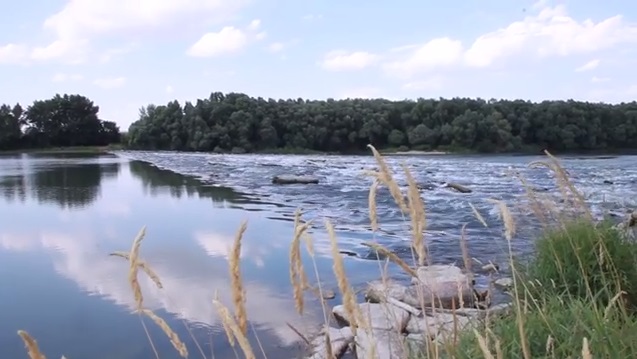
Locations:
585 260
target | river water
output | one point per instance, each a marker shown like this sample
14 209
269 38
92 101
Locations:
61 215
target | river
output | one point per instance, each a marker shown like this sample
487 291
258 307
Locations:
61 215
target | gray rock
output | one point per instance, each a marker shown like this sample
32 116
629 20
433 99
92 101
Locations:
458 187
377 316
378 291
340 338
438 323
379 344
292 179
440 285
504 282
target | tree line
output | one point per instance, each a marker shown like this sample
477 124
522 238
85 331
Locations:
62 121
239 123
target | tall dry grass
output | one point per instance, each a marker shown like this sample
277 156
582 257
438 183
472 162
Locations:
543 310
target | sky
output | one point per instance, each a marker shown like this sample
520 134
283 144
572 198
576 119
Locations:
125 54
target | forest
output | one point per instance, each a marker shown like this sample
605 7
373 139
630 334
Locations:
62 121
238 123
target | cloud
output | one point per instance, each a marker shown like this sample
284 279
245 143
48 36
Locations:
227 41
551 32
76 256
340 60
62 77
80 21
432 83
11 54
591 65
437 53
110 82
276 47
169 89
596 79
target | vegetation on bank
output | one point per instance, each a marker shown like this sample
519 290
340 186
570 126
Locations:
574 298
235 122
62 122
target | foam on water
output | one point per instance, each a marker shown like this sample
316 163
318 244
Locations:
342 192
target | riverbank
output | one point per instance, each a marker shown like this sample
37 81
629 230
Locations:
63 150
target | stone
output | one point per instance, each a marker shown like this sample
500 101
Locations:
340 339
377 316
458 187
440 285
379 344
491 267
504 282
434 324
292 179
379 290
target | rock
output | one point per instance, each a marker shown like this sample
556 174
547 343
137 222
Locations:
427 186
504 282
348 253
458 187
340 338
378 291
379 344
440 285
437 323
292 179
608 182
491 267
377 316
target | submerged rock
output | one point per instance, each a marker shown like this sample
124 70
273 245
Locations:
458 187
292 179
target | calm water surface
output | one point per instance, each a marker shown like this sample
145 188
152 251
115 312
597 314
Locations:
60 217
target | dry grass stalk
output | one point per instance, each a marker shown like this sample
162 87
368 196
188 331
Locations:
144 267
586 352
387 179
392 257
31 345
174 338
238 294
507 218
349 299
233 327
134 264
417 216
483 345
478 215
373 215
465 251
298 278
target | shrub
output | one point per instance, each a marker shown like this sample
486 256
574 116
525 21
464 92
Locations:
585 260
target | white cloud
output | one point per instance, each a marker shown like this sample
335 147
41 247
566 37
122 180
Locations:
340 60
81 20
276 47
312 17
591 65
361 92
226 41
551 32
13 54
62 77
433 83
596 79
169 89
434 54
110 82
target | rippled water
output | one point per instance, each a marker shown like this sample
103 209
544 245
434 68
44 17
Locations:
342 192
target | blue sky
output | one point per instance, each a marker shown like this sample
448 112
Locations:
125 54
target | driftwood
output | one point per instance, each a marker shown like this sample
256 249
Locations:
291 179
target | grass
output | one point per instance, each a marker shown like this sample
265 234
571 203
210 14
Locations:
575 298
